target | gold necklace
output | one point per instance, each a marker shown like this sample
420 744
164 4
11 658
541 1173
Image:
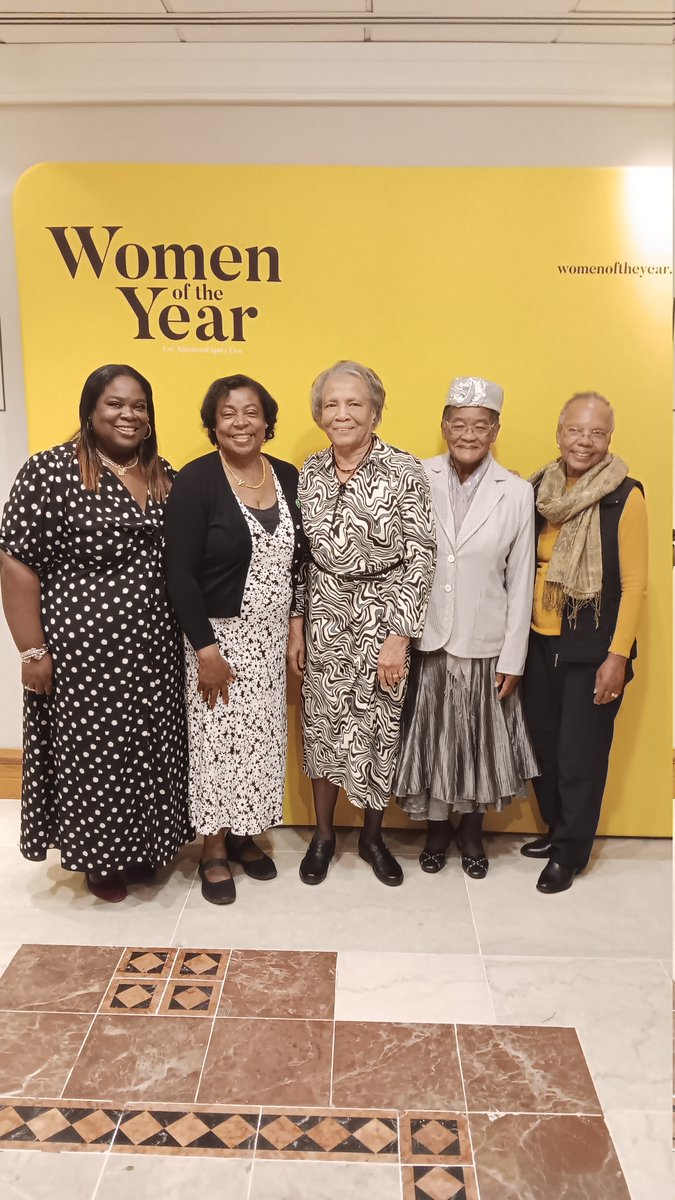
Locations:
349 471
120 471
253 487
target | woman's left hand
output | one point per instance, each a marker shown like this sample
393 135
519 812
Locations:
505 684
392 662
610 679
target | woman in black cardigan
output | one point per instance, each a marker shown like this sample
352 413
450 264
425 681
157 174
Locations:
234 548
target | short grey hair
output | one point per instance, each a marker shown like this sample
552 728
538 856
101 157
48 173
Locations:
346 366
586 396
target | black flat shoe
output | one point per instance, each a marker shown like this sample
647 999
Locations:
475 866
384 865
539 848
556 878
221 891
140 873
314 866
261 867
432 861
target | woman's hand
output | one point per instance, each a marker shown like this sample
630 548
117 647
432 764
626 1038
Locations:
392 661
295 651
37 675
610 679
215 674
505 684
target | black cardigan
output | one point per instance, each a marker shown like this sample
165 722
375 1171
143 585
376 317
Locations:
209 545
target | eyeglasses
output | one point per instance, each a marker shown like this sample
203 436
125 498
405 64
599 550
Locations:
481 428
573 432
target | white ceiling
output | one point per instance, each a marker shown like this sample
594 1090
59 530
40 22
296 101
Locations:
531 22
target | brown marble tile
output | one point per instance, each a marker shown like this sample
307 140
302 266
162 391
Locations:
58 978
279 983
37 1050
147 963
328 1134
513 1068
200 964
178 1129
439 1183
525 1157
141 1058
268 1062
435 1138
192 996
389 1065
137 997
44 1125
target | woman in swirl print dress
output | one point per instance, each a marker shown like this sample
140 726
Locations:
367 513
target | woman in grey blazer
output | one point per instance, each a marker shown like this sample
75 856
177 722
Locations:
464 744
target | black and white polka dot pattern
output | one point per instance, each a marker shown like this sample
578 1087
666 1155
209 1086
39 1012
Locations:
105 756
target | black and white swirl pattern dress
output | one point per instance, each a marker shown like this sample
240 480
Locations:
379 524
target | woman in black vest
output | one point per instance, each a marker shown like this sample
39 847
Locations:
234 546
591 530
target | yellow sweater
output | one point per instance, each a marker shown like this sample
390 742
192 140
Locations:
632 564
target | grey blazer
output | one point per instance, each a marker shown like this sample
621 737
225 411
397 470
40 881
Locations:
481 598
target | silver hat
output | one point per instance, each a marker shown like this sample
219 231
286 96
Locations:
470 391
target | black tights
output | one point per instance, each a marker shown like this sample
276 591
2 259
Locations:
470 831
325 799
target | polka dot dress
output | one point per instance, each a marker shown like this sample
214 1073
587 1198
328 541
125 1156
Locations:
105 756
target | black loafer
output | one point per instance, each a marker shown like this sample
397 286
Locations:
221 891
384 865
261 867
314 866
556 877
539 848
432 861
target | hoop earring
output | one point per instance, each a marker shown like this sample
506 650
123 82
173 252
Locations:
149 433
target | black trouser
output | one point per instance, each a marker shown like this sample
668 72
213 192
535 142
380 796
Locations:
572 738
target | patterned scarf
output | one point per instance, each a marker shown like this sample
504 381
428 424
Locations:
574 576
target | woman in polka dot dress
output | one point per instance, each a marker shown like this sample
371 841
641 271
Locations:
81 547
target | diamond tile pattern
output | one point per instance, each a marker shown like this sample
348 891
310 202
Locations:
322 1134
133 996
191 997
439 1183
149 963
202 964
85 1126
194 1130
435 1137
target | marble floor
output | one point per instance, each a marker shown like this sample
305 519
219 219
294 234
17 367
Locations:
447 1039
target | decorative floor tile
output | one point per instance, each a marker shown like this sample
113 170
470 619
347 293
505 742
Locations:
58 978
193 997
403 1066
435 1138
152 964
439 1183
201 964
141 1058
535 1157
279 983
195 1130
40 1125
133 996
520 1068
328 1134
37 1051
267 1062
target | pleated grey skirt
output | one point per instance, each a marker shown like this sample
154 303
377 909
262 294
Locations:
462 750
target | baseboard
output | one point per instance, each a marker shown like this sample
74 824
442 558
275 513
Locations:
10 774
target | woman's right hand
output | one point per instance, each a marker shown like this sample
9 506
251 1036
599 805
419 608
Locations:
215 675
37 675
295 652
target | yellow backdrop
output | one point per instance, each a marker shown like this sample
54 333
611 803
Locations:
421 273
